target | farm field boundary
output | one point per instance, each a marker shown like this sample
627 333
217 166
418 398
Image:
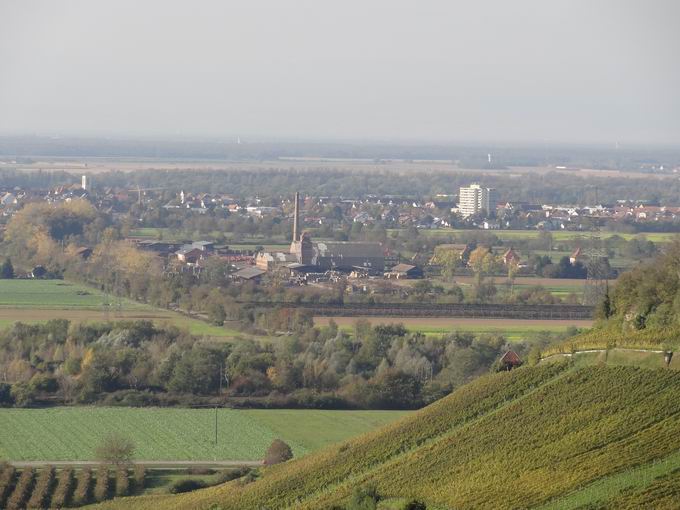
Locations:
512 329
499 311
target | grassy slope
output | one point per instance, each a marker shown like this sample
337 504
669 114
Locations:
512 440
72 433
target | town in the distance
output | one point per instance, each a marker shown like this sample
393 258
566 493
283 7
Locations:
210 309
385 255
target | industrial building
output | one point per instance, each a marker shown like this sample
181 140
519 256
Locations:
334 255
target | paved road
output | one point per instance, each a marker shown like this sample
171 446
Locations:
165 464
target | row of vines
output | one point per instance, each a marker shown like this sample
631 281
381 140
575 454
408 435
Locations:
64 488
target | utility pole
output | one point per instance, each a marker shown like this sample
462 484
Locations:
215 448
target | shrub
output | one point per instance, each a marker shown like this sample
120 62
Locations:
41 491
364 498
21 490
6 398
43 383
278 452
62 492
186 485
81 495
122 483
415 505
101 487
228 475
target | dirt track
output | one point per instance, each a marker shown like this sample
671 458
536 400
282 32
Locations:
154 464
27 314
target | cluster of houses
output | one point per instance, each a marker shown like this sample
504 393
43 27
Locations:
440 211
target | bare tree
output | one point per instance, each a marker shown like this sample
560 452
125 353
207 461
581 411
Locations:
115 449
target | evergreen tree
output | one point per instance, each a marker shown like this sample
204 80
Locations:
7 270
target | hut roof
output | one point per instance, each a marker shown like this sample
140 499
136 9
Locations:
511 358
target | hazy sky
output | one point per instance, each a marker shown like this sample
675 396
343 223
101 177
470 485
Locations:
451 71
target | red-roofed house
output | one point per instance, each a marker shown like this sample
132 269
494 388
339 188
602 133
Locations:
510 360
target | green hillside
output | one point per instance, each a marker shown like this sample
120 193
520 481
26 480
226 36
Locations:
536 437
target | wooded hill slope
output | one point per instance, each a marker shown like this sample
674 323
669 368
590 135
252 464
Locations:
536 437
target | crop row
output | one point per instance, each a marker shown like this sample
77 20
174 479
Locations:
43 486
6 482
64 488
101 487
22 490
83 487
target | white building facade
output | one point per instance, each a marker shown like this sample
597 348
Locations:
477 200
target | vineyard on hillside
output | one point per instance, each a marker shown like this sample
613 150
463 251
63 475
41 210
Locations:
542 431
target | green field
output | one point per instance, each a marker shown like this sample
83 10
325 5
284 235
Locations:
515 330
72 433
33 301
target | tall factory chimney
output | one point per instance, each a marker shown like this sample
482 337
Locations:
296 219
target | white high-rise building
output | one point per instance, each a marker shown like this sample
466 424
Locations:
83 182
475 200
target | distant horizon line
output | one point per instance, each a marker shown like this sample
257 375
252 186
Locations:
247 139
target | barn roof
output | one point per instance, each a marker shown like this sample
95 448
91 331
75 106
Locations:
249 273
511 358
